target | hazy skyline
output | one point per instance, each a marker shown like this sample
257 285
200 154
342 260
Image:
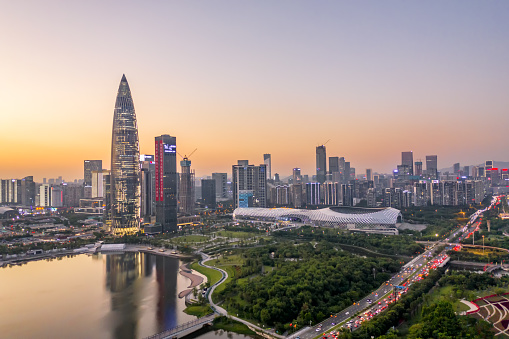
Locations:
240 79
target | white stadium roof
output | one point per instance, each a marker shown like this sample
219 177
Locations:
331 216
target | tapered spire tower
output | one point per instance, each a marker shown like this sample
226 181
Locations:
124 217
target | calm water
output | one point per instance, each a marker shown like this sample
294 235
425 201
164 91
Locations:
131 295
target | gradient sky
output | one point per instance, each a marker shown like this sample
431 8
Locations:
237 79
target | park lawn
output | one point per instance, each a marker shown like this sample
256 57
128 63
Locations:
198 310
191 239
212 275
239 235
231 273
224 323
229 260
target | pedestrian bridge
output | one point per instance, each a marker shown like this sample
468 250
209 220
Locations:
184 329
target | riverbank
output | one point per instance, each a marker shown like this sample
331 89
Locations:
195 280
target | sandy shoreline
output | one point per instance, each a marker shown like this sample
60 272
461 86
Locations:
195 280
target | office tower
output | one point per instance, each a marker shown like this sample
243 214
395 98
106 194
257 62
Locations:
371 197
407 159
148 187
267 162
72 195
98 184
28 189
166 179
281 195
221 185
456 168
297 177
321 164
420 193
313 193
249 185
208 192
276 178
466 171
369 174
346 195
57 196
296 192
333 164
331 193
88 167
125 165
45 195
431 166
418 168
475 172
352 173
186 188
488 164
346 173
11 191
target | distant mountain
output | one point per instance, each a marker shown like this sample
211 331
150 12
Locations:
498 164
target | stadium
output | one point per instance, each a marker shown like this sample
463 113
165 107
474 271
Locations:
369 220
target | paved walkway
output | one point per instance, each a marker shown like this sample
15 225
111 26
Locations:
222 311
472 306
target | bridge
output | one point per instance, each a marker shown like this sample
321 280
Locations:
184 329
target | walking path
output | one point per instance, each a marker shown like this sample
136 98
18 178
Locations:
472 306
218 309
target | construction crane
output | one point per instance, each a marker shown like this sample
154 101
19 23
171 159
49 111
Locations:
324 143
186 157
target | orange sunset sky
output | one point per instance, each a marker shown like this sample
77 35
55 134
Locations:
239 79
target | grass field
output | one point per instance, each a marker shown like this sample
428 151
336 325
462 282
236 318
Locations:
239 235
212 275
191 239
198 310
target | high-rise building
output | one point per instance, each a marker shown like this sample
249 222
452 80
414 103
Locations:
45 195
369 174
466 171
321 164
418 168
249 185
166 178
125 165
28 188
221 185
313 193
88 167
267 161
456 168
297 177
407 159
347 172
432 166
208 192
148 187
186 188
333 164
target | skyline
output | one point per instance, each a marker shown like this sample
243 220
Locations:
376 80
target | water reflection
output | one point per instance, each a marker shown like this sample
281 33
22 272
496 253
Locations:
129 295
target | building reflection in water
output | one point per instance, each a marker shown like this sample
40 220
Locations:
127 275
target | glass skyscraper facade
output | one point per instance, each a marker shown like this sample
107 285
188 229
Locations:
125 165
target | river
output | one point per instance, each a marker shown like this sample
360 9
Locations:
129 295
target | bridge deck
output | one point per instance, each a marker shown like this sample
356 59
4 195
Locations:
172 332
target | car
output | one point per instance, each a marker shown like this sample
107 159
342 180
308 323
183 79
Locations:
347 313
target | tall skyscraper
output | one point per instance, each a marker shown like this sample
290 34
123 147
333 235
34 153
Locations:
456 168
148 187
333 164
321 164
249 185
221 185
267 161
432 166
208 192
418 168
166 182
407 159
186 188
369 174
88 167
297 177
125 165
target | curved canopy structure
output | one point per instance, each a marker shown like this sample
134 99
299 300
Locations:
340 217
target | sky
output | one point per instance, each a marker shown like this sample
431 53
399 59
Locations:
237 79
